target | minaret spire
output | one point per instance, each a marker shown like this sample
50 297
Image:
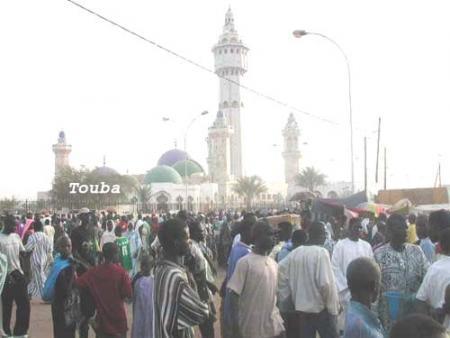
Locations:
229 21
231 64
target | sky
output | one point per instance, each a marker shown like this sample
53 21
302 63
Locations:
62 68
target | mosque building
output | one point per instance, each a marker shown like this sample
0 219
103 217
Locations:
179 181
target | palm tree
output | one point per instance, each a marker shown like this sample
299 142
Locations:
144 193
310 178
249 188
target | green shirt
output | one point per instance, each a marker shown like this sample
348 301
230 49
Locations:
124 253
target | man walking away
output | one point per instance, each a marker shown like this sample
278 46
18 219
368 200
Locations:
253 290
110 286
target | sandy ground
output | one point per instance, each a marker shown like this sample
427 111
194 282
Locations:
41 317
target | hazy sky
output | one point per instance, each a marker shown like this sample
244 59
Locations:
62 68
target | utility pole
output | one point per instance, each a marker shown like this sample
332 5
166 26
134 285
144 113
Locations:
385 169
378 149
437 181
365 165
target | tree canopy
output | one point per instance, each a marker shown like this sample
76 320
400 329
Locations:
62 196
144 193
249 188
310 178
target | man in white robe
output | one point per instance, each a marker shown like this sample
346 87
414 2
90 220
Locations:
345 251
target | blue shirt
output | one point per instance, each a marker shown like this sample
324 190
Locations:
238 251
428 248
360 322
285 250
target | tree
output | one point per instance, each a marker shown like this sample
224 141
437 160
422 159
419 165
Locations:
60 192
9 204
144 193
310 178
62 197
249 188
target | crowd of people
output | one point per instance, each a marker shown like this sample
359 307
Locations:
363 277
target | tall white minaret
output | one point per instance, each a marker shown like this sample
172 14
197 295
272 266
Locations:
231 63
291 153
219 154
62 151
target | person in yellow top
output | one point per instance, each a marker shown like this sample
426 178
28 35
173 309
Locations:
412 234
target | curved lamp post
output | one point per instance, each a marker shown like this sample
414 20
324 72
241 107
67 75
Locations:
300 33
168 119
203 113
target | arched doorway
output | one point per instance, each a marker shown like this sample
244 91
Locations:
180 203
162 203
190 206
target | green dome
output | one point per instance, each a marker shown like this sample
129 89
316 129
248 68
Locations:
162 174
192 167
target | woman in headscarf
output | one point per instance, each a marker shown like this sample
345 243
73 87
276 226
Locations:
41 257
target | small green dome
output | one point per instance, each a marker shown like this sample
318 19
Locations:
162 174
192 167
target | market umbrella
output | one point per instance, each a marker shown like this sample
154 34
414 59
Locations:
302 196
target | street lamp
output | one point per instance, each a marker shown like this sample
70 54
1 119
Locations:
168 119
300 33
203 113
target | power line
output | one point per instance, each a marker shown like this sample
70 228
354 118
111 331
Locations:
198 65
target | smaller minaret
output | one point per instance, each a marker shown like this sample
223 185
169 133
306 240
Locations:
219 164
291 153
62 151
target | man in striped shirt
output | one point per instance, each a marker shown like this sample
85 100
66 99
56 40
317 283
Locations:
177 306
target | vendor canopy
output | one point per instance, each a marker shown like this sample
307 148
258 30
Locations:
336 206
